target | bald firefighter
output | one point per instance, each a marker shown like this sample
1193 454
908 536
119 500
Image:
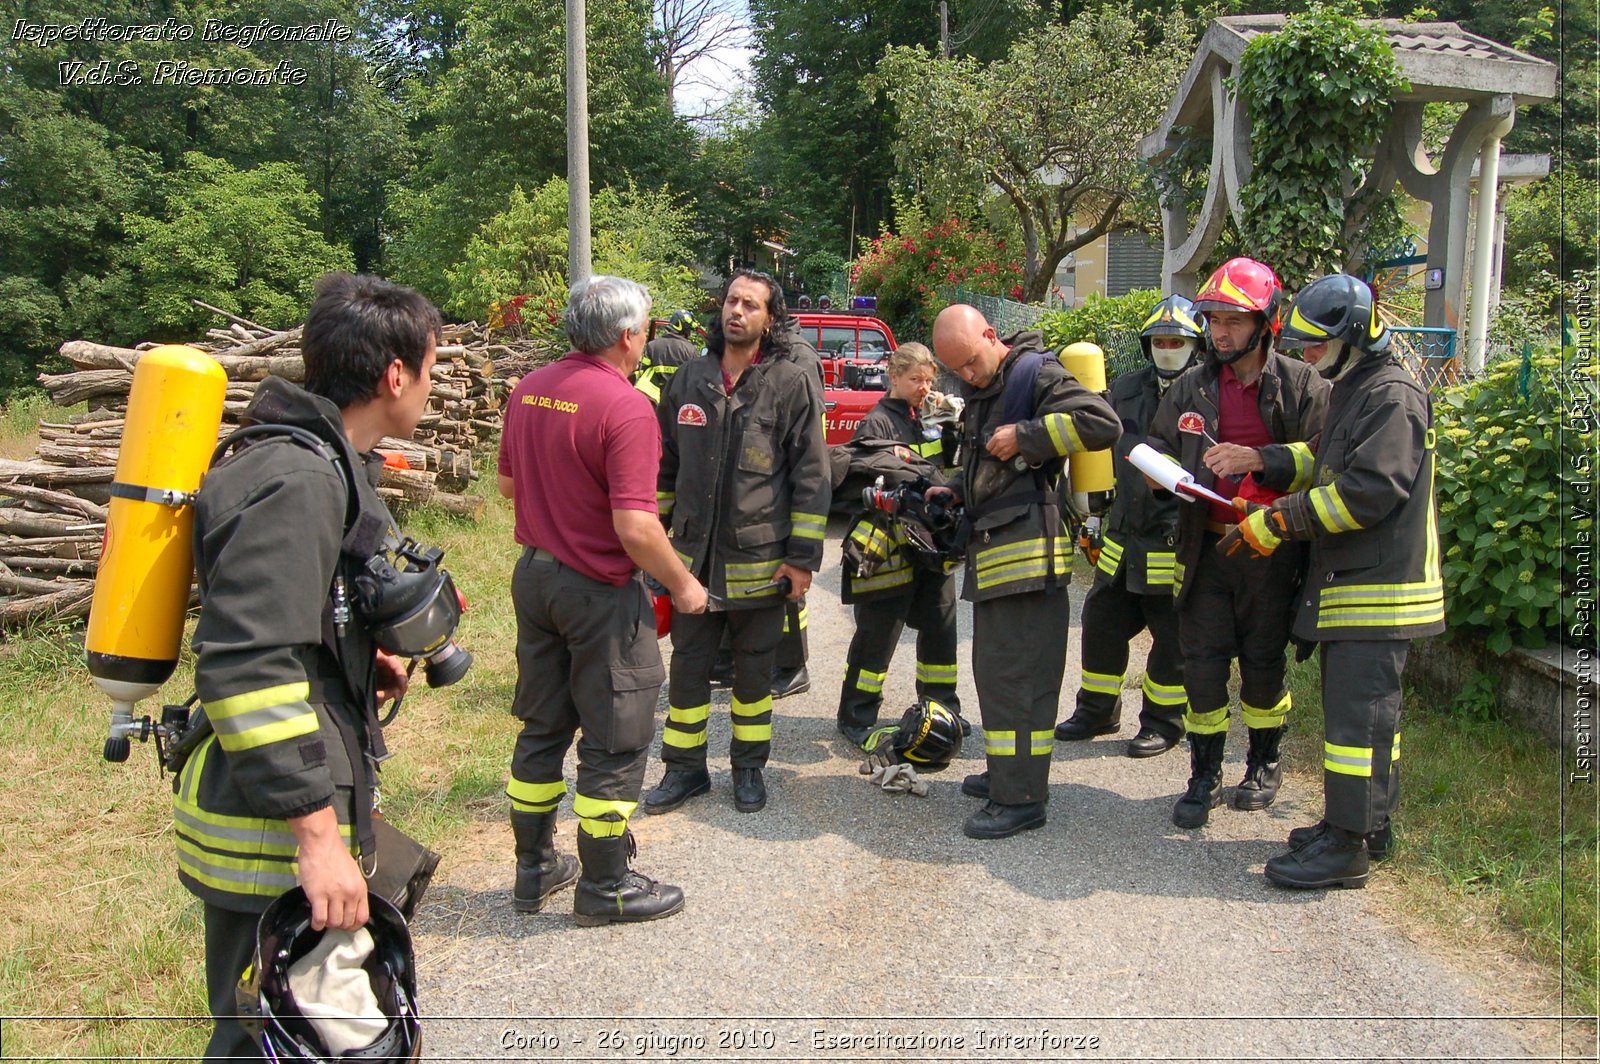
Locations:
1025 413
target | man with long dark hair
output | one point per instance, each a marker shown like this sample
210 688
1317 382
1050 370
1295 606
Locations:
744 482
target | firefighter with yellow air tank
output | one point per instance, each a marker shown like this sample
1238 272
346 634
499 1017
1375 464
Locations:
1025 413
281 789
1373 583
1133 575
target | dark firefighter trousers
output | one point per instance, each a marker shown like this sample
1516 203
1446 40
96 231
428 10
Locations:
230 947
1361 722
755 634
587 663
1240 606
1019 652
929 607
1112 615
794 648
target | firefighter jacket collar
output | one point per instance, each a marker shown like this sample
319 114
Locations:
281 402
1292 399
784 343
744 478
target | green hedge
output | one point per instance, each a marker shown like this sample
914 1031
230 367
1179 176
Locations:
1515 488
1112 322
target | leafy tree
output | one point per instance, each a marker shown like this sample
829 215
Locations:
986 29
823 147
66 185
496 119
1054 126
1543 220
735 209
909 270
522 252
1320 93
242 240
346 129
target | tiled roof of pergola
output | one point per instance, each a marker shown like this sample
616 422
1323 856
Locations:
1442 61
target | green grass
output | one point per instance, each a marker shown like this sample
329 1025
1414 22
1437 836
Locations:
117 935
1492 840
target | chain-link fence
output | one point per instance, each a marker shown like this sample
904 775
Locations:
1006 315
1430 355
1123 352
1434 355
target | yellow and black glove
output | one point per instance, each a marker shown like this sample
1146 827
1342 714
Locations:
1261 528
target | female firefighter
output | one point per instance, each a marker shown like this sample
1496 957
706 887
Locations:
901 589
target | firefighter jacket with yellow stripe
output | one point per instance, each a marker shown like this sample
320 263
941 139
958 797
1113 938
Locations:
1292 399
1018 541
1369 513
271 532
745 480
661 359
1141 530
893 419
877 555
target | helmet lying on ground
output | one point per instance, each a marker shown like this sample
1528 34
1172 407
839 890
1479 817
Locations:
927 737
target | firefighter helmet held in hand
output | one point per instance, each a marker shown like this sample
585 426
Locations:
1172 317
1243 285
1338 310
322 1031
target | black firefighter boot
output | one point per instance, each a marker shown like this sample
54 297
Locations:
1335 858
1379 840
1263 771
541 871
611 893
1205 780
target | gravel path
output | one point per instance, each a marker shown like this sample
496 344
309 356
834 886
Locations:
843 923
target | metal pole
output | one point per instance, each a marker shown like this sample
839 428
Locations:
579 258
849 253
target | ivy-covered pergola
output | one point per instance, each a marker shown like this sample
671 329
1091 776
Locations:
1443 64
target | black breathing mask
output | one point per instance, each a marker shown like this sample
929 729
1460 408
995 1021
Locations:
411 608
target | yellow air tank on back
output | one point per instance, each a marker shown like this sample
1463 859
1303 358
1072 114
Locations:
1089 471
141 591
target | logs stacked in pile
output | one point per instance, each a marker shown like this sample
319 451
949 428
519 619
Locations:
53 507
513 358
463 412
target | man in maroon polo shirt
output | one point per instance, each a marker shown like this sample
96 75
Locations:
1245 409
579 455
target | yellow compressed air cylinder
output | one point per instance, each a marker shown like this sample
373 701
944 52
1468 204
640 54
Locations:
1088 470
146 561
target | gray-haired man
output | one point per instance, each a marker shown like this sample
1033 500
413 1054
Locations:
578 457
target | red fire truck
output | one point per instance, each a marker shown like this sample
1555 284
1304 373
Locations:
855 350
